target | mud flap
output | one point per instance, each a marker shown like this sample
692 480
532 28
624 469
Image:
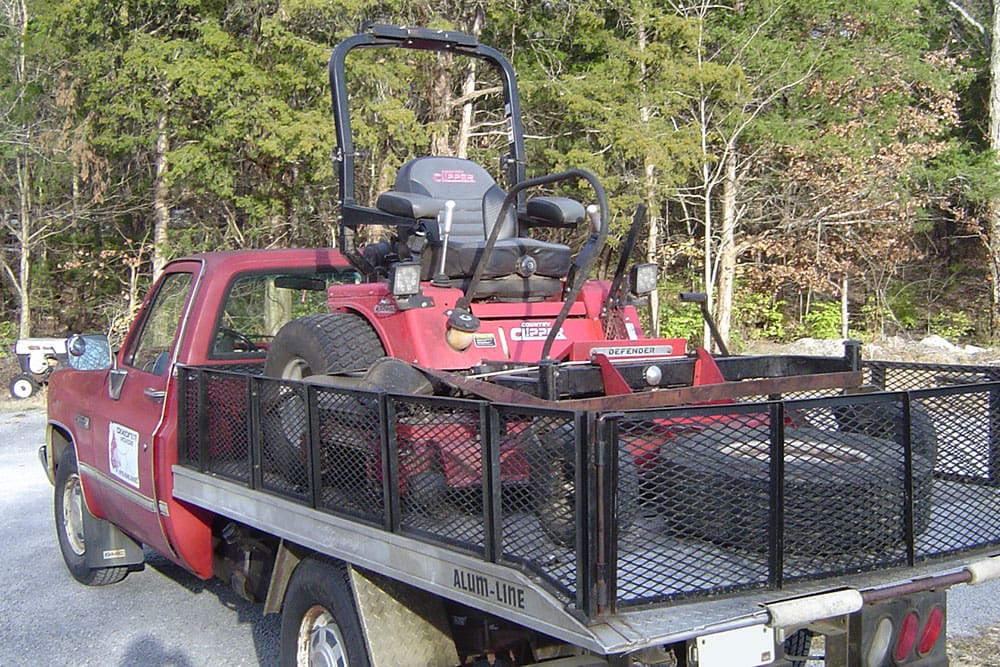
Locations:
107 545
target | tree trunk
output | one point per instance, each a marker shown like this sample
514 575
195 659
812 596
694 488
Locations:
727 248
161 206
993 234
652 237
440 103
18 20
468 88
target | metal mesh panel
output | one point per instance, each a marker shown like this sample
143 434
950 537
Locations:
226 451
966 499
700 520
285 462
350 454
539 453
438 463
189 450
903 376
845 486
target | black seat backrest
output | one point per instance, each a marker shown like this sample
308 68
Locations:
476 195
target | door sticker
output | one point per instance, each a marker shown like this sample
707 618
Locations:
123 453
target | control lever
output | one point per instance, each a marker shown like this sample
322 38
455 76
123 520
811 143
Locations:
701 299
445 218
595 218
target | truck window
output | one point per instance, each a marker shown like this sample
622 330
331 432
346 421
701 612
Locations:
258 305
151 349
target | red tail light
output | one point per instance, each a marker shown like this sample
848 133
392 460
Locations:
932 631
907 636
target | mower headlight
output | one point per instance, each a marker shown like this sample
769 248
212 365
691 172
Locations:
643 278
404 279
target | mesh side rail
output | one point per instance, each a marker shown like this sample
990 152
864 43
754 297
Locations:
901 375
214 424
404 464
847 484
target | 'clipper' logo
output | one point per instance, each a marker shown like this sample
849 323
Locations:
453 176
534 331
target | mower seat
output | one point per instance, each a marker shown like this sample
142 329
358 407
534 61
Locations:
421 189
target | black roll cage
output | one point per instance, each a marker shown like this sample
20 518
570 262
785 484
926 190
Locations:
375 35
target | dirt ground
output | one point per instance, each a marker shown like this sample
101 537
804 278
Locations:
980 650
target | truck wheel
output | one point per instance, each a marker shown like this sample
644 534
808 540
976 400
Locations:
310 345
319 622
551 457
843 491
23 386
69 513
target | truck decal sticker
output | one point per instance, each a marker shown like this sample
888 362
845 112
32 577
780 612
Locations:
488 588
123 453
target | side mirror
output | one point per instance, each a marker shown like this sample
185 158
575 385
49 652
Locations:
89 352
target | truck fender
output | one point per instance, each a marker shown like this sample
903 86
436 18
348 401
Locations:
382 604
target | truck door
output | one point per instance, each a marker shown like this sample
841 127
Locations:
128 419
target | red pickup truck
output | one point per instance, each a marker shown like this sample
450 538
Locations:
456 447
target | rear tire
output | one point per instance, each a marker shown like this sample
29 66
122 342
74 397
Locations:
319 620
70 509
324 343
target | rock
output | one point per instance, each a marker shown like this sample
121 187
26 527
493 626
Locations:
937 342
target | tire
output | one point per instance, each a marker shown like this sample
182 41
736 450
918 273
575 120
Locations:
843 491
884 420
23 386
324 343
69 517
798 647
310 345
551 458
319 621
425 491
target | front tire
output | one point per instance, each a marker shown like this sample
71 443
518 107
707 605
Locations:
551 459
23 386
319 621
70 511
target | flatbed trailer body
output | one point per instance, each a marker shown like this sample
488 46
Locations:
683 564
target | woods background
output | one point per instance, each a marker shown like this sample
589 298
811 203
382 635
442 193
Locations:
820 167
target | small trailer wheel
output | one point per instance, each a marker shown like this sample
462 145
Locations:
23 386
319 622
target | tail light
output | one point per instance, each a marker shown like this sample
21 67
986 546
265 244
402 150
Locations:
907 636
878 648
901 631
931 632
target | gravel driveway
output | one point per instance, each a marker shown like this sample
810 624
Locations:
166 617
162 616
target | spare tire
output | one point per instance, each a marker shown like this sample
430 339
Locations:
310 345
843 492
885 420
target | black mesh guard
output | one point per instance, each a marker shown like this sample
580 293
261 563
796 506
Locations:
644 507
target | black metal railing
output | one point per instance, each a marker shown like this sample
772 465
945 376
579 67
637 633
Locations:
637 507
